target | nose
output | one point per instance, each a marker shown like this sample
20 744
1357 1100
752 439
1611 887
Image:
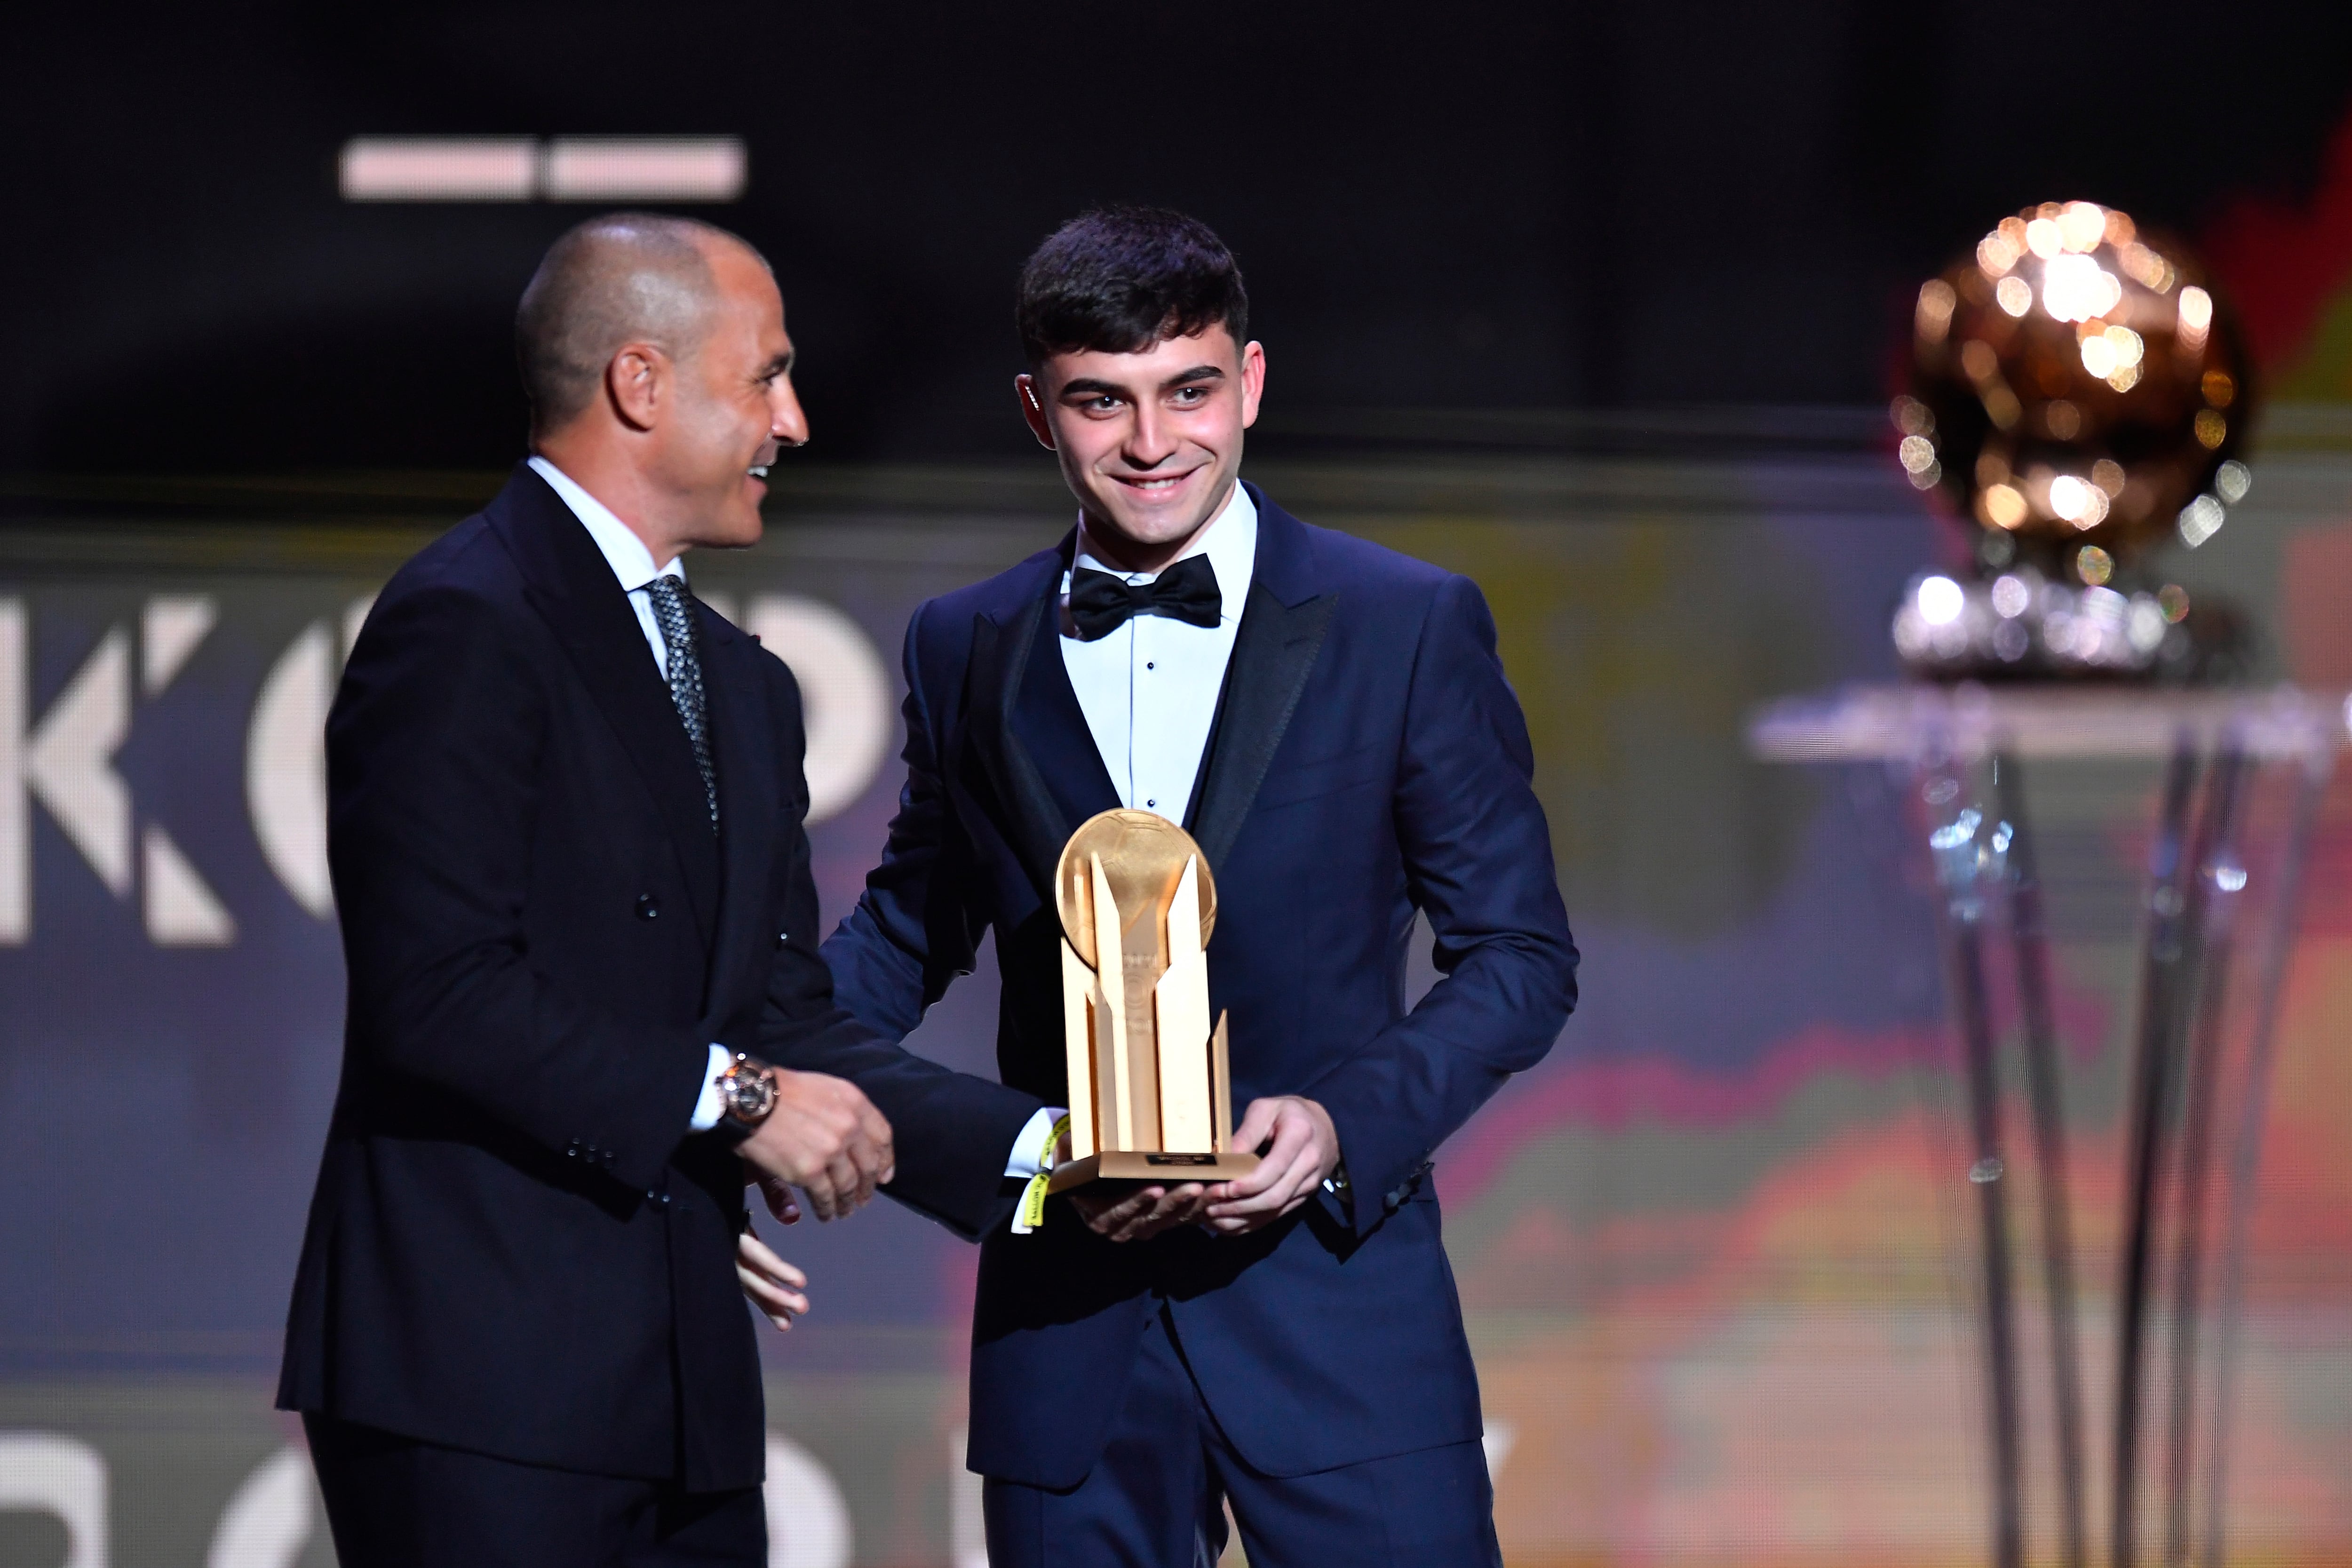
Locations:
1149 441
787 420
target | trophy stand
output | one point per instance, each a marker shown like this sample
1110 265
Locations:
2223 885
1151 1091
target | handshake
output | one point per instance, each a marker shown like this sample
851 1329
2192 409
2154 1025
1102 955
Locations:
823 1136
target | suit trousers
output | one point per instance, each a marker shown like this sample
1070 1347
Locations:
1157 1497
397 1502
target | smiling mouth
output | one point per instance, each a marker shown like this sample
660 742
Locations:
1152 486
757 471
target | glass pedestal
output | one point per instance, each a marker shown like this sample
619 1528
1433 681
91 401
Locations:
2238 779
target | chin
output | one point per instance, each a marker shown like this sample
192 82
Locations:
1148 524
736 529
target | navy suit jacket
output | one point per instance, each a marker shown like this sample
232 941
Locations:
1368 760
516 1247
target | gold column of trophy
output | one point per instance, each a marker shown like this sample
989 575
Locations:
1150 1095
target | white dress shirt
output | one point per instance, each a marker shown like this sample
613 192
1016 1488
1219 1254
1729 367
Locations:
1149 688
632 563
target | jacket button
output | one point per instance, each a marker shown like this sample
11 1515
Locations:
648 907
781 936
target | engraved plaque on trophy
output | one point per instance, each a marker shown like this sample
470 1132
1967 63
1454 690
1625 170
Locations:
1150 1094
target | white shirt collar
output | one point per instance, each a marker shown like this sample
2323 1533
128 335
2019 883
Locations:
631 561
1229 543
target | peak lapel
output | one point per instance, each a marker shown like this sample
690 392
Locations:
1284 622
574 591
1027 732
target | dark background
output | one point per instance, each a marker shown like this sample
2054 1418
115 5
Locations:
1509 206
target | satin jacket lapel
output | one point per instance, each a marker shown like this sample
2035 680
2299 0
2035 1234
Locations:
574 589
1029 735
1049 728
748 791
1283 625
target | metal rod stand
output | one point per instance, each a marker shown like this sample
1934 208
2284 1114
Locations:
2217 879
2029 934
2150 1094
2246 1152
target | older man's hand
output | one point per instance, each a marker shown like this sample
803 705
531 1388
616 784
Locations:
825 1138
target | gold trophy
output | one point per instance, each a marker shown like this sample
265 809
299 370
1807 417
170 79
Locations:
1151 1097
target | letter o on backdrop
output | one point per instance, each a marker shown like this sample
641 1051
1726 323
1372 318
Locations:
44 1472
845 698
808 1520
286 758
272 1517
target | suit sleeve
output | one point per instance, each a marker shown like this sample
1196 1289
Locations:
434 753
912 932
950 1130
1477 855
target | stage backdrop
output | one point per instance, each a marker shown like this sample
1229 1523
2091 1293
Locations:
1715 1251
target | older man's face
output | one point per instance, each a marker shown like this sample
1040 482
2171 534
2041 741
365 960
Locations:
735 406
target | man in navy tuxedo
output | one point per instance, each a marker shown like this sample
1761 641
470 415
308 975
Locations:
565 822
1331 722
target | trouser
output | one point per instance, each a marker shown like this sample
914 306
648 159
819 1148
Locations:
1157 1497
397 1502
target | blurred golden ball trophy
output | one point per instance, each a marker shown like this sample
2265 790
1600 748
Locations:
1151 1093
2078 396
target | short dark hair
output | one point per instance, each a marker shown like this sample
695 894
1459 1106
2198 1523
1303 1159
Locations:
1116 279
606 281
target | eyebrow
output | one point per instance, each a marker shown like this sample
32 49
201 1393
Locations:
1091 386
778 365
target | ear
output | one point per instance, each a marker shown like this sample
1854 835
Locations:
636 380
1253 380
1032 409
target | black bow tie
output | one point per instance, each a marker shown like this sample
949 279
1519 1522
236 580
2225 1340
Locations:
1101 602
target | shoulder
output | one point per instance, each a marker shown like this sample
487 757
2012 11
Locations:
1009 592
466 578
1360 561
1371 579
468 560
940 632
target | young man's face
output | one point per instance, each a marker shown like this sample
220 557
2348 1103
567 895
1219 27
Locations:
1150 442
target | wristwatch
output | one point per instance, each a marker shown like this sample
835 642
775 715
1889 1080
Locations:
747 1092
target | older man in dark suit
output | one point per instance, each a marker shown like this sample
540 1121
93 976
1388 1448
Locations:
565 825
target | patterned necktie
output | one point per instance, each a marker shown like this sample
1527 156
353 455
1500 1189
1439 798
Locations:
676 624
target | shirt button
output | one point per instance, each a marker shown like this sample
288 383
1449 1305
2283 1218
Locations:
648 907
1151 803
1148 664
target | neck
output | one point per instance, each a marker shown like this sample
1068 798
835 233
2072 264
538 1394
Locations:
622 488
1109 546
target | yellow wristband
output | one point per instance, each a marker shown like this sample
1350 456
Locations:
1032 1212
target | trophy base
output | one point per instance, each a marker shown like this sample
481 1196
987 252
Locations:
1135 1165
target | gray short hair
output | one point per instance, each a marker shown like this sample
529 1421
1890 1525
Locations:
618 278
